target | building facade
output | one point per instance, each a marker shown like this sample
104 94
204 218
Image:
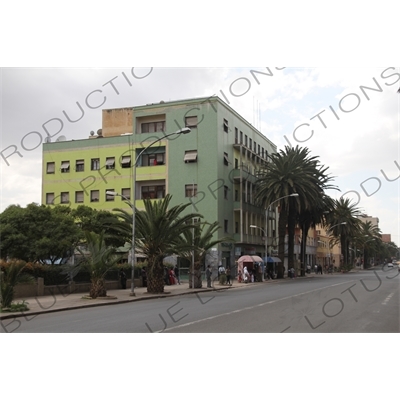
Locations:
213 167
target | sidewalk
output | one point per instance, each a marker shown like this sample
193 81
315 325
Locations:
60 301
69 301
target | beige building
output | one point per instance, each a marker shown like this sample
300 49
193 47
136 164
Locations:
366 218
327 253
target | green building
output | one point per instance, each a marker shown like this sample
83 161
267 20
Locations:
213 167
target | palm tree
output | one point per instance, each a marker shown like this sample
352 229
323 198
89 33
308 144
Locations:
158 234
369 238
310 218
345 225
291 171
99 260
12 275
203 240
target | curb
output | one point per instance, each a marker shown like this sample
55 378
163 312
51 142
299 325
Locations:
111 302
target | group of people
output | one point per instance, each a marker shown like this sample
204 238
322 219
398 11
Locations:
254 275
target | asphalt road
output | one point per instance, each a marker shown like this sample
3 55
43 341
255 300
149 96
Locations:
366 301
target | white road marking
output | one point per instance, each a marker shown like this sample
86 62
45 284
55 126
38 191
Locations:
249 308
387 299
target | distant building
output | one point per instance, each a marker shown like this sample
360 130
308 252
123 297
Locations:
366 218
386 237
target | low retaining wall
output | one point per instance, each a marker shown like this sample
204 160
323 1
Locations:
39 289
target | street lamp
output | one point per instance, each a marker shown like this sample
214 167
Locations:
182 131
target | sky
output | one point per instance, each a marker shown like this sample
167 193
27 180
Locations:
348 117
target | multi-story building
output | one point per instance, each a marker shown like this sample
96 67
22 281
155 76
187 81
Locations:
327 252
213 167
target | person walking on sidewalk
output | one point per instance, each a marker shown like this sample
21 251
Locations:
122 276
228 276
176 270
208 276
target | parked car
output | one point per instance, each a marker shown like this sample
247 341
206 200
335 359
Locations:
390 265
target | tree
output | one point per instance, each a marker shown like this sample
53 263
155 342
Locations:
38 233
98 221
11 275
202 239
99 258
345 225
158 234
310 218
291 171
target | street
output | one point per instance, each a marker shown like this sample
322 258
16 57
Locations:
358 302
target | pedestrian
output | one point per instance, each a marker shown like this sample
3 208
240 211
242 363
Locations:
172 280
240 276
228 276
176 270
166 276
144 277
208 276
221 271
292 273
122 276
246 275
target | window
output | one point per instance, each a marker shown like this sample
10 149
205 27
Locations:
110 162
80 166
236 163
241 137
226 127
153 159
110 197
95 164
236 136
191 190
236 195
94 196
51 167
245 140
126 162
255 147
236 227
64 197
153 192
152 127
262 152
226 159
64 166
226 226
250 143
226 190
49 198
258 150
126 193
190 156
79 197
191 122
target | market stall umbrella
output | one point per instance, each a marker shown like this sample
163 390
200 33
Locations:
245 259
273 260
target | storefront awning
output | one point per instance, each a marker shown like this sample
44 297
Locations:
273 260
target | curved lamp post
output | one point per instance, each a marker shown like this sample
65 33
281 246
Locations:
183 131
